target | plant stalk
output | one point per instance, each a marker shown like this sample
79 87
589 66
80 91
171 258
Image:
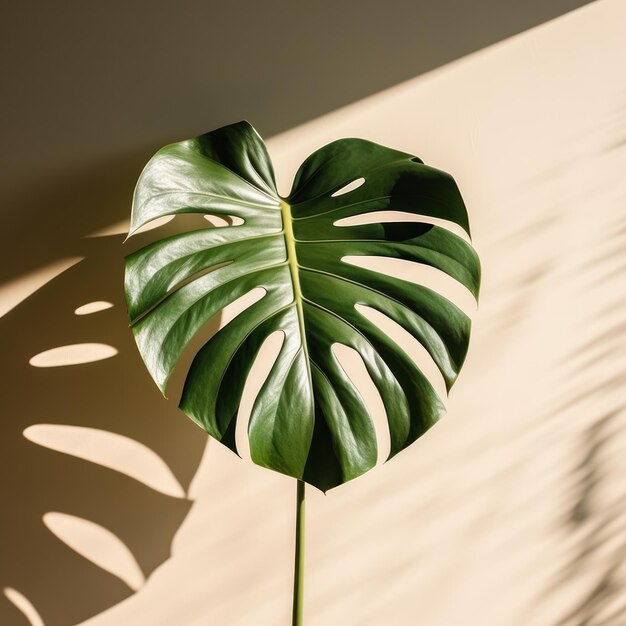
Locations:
298 567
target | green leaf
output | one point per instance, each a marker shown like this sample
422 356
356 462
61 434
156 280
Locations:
308 420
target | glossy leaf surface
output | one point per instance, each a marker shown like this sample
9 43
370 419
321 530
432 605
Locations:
308 421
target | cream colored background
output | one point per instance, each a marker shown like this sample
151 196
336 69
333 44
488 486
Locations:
512 510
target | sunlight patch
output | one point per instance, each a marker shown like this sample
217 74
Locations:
112 450
74 354
96 544
23 604
93 307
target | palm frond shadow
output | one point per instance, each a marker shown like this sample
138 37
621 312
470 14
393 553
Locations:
593 522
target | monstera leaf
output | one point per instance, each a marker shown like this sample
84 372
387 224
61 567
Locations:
308 420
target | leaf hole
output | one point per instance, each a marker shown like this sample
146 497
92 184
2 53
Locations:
420 274
176 381
169 225
383 217
156 223
351 186
353 365
238 306
220 221
407 343
179 285
261 368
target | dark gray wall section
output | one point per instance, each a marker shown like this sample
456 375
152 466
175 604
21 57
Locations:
87 79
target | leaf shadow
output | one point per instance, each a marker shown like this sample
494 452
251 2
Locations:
49 221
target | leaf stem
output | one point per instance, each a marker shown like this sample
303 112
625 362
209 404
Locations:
298 568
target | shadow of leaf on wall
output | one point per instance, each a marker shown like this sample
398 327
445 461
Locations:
96 463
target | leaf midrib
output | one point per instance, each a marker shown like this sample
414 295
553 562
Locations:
294 270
